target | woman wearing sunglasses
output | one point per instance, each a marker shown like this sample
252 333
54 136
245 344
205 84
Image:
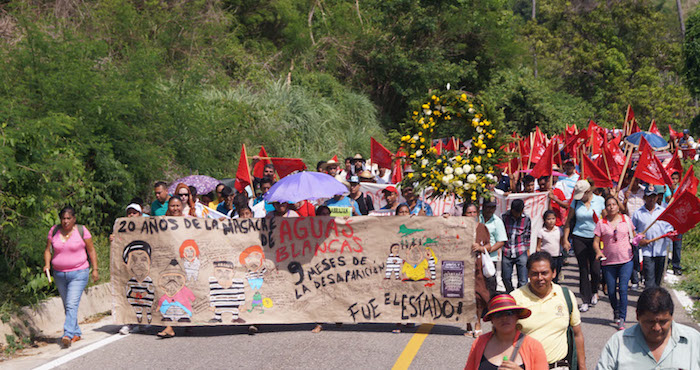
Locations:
505 347
613 247
182 191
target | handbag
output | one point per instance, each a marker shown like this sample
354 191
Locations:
488 266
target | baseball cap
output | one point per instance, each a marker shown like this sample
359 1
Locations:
580 188
654 189
390 189
354 179
135 207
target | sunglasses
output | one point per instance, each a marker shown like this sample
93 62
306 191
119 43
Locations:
505 313
183 195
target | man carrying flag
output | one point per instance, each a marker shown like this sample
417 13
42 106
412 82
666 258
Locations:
653 249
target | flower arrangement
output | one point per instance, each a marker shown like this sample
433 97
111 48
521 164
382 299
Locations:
464 173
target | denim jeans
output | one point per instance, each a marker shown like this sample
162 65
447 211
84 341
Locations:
507 271
617 277
71 285
677 252
653 270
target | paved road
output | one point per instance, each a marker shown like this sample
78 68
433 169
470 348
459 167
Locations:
365 346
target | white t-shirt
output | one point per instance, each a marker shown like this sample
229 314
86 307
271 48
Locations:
566 184
551 240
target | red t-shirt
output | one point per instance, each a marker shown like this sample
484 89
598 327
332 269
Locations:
306 210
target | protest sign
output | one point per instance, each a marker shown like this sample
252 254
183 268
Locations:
195 271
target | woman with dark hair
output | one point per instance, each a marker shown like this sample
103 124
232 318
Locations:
505 347
580 224
403 210
67 251
615 231
484 287
182 191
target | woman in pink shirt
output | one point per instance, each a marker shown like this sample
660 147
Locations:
67 251
614 232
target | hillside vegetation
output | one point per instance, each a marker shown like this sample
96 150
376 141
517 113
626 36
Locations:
98 99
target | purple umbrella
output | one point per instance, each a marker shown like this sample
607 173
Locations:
305 185
204 184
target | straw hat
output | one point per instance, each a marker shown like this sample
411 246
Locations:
366 175
329 163
505 302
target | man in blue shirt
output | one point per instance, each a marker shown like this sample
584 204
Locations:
340 205
415 205
265 185
160 206
656 342
226 206
653 253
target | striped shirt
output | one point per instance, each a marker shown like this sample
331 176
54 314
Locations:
231 297
518 231
140 294
256 274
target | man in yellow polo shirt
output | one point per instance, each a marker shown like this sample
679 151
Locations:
550 317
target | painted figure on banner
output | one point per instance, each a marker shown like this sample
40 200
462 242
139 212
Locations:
140 290
258 302
226 293
432 261
253 259
189 252
415 265
176 303
394 262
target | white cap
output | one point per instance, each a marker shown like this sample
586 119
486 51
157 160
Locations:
581 187
134 206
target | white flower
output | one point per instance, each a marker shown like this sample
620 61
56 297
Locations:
459 171
450 177
479 129
419 153
467 168
449 170
427 112
424 162
478 168
415 137
467 186
482 151
481 137
445 180
471 178
448 86
471 110
490 177
458 183
475 120
450 186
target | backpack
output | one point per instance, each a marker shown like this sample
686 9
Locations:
57 228
571 356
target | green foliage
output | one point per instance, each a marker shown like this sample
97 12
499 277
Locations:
691 52
524 102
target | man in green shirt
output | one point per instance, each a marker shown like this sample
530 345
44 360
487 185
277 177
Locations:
656 342
160 206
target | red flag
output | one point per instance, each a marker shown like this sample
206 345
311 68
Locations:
689 182
243 172
259 167
674 134
596 142
335 158
629 116
401 153
438 147
615 159
574 141
593 172
452 144
546 162
649 168
285 166
683 213
538 146
379 154
396 171
674 165
635 127
653 129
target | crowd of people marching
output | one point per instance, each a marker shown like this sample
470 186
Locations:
612 231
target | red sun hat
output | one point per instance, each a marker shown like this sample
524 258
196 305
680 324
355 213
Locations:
505 302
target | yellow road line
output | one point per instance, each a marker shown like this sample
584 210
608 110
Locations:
406 357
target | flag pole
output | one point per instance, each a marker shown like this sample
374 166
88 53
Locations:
628 152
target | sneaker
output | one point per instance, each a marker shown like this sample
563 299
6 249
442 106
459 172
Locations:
584 307
124 330
621 325
594 300
635 286
66 342
677 272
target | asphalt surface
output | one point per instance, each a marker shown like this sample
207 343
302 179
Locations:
364 346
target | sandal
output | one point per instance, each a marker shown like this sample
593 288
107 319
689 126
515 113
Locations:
65 342
165 335
317 329
75 338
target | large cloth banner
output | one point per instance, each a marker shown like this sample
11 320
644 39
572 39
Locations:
535 206
197 271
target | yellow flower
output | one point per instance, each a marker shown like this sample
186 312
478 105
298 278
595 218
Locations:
422 140
422 146
438 161
434 97
420 133
426 106
410 174
413 146
415 113
424 174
